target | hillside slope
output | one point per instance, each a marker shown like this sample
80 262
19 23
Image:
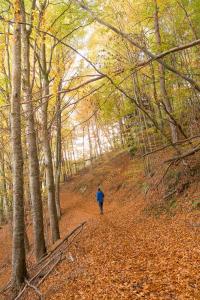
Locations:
127 253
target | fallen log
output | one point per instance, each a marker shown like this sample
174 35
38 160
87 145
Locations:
61 242
50 270
57 253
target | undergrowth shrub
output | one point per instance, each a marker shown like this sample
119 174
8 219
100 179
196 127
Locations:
132 150
162 207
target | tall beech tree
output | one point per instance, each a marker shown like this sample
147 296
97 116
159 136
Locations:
34 173
163 90
54 225
58 151
18 251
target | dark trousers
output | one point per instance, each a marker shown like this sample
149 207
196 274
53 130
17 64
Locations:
101 207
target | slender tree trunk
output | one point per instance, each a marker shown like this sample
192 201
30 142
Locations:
192 27
7 43
34 173
84 147
106 131
90 143
67 159
5 206
18 248
96 148
54 225
165 98
58 153
74 157
1 210
97 135
156 95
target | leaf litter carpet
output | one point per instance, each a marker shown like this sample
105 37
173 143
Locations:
124 254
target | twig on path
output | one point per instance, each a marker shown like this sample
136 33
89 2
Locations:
34 288
169 194
6 287
3 267
21 293
195 222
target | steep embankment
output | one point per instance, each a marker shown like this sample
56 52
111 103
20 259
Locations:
127 253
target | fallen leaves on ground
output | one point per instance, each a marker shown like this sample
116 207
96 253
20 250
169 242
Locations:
124 254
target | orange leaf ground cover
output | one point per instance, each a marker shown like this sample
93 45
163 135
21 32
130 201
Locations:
126 253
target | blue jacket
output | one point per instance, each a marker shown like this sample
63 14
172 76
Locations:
100 196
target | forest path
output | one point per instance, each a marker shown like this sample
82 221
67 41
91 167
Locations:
76 209
124 254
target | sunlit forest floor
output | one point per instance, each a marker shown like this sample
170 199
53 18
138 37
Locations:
134 251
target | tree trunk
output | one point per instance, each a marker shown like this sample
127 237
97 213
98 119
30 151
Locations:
5 205
96 148
90 144
84 146
97 134
34 173
1 210
73 157
18 248
58 153
54 225
165 98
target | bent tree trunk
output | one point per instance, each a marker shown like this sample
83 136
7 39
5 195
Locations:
18 248
54 225
34 174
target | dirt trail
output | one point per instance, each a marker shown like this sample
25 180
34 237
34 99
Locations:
124 254
78 196
75 210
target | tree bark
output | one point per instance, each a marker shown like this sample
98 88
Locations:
163 90
54 225
97 134
34 173
90 143
18 248
1 210
5 205
58 152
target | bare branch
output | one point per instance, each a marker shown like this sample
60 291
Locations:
183 155
137 45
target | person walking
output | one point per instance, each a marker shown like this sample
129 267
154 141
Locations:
100 199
